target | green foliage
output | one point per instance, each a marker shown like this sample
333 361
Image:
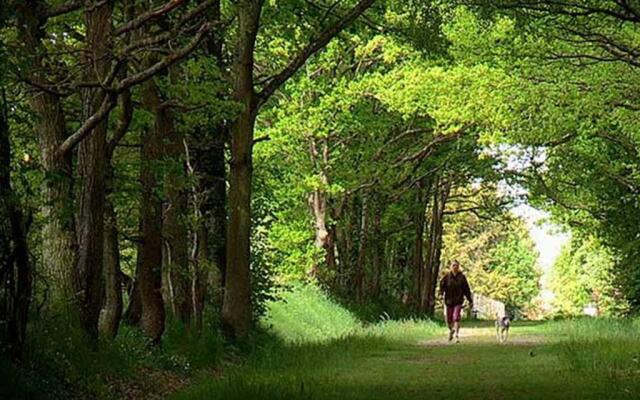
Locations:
307 315
583 274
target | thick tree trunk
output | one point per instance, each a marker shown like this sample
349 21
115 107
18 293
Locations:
6 194
58 232
112 308
133 313
236 309
19 315
91 170
149 268
175 221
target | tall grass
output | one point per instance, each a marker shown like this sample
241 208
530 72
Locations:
306 315
606 349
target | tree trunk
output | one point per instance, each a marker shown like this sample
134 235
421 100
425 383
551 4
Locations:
318 202
422 196
377 252
209 197
363 246
133 313
236 309
149 269
175 220
91 170
348 218
6 195
16 277
432 269
58 232
199 283
210 204
112 308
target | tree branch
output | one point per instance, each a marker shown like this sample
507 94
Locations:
64 8
89 124
316 45
164 63
148 16
123 125
111 93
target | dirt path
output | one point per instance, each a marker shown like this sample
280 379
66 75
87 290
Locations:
486 335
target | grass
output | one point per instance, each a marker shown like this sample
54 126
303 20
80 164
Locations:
312 347
340 358
606 349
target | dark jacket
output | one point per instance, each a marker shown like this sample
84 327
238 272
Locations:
455 288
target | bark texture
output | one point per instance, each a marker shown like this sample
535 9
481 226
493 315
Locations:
111 313
236 309
91 169
432 267
58 232
149 269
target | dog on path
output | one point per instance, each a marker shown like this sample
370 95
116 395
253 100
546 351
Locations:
502 328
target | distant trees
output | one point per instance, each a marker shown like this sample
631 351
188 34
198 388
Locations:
497 254
584 275
571 111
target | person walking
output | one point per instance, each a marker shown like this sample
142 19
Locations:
454 288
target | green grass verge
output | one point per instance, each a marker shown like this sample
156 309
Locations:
325 353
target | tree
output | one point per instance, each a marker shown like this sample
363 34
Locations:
497 255
75 246
584 274
236 311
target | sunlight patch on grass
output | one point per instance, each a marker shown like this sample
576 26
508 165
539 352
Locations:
306 315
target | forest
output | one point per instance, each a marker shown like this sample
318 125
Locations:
259 198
